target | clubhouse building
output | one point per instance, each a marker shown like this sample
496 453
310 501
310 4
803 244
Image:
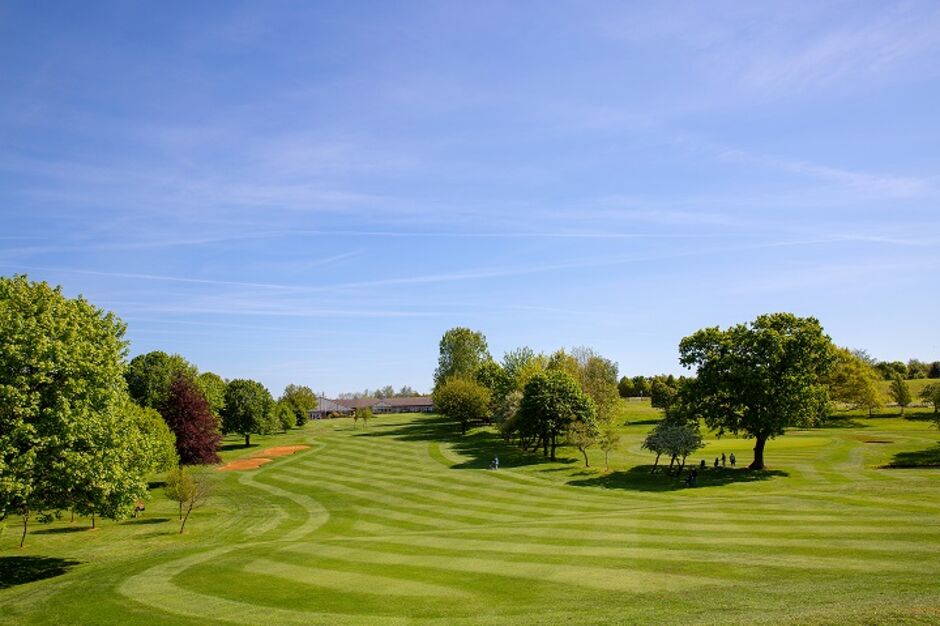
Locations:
344 407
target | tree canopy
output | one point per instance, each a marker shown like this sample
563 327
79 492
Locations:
463 400
188 415
853 381
68 436
758 378
212 387
551 402
900 392
150 375
248 408
301 401
462 352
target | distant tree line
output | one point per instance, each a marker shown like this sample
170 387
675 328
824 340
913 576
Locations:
912 370
385 392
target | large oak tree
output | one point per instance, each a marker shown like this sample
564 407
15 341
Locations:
758 378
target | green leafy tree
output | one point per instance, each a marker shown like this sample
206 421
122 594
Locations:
494 377
917 369
248 407
462 352
854 382
641 386
598 379
675 439
625 387
551 402
302 400
150 375
363 414
758 378
463 400
930 394
522 364
934 370
212 387
188 490
608 442
661 394
583 436
62 395
284 415
157 443
900 392
889 368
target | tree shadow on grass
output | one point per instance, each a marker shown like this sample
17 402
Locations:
918 458
19 570
646 422
145 521
478 444
236 446
639 478
843 421
61 531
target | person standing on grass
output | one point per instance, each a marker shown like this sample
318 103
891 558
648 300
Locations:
702 465
722 459
732 459
716 462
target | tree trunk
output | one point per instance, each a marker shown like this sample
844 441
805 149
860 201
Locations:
25 522
181 510
247 440
656 462
92 521
186 518
681 467
672 461
554 445
758 462
463 428
606 462
586 462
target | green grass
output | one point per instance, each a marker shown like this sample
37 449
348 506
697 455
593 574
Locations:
403 523
916 386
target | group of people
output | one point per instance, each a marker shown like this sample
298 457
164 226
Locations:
692 479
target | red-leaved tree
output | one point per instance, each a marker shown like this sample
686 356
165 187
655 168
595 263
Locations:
188 415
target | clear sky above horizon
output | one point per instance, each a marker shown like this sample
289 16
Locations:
314 192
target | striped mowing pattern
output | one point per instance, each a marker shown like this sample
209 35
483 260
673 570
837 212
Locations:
402 523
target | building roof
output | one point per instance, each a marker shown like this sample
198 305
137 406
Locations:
408 401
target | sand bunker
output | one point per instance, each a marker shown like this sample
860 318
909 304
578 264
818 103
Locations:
282 451
265 456
244 464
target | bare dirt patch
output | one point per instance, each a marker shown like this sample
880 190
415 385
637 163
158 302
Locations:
282 451
244 464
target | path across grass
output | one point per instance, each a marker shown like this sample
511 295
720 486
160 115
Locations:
403 523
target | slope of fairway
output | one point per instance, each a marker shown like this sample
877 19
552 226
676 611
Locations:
403 523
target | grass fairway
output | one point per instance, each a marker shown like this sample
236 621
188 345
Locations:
402 523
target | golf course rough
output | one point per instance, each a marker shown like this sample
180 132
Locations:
401 522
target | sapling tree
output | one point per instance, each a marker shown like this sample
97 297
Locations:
583 435
188 490
608 442
900 392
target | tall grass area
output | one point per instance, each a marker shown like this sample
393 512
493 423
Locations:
402 522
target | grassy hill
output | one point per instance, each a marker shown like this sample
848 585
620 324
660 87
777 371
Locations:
403 523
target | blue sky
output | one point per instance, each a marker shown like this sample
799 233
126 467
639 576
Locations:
315 192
